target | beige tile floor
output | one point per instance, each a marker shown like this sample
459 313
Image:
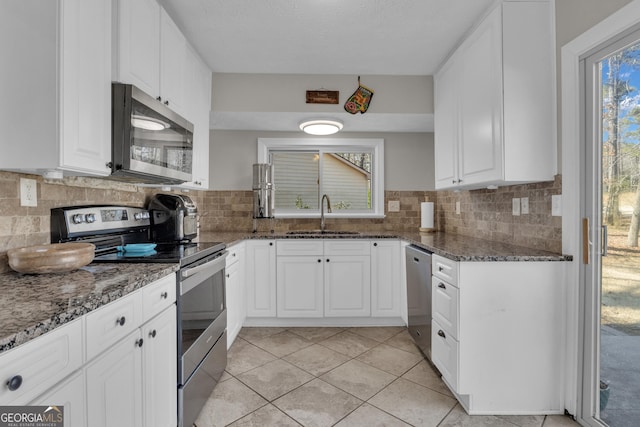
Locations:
346 377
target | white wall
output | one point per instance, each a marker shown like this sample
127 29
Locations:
408 158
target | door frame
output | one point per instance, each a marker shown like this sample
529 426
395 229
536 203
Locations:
575 199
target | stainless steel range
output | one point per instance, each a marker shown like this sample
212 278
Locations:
123 234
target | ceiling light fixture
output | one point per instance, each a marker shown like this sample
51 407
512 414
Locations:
148 123
321 127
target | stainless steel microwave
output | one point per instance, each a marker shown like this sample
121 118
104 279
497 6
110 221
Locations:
151 143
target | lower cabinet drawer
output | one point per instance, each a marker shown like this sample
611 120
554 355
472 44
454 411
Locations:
157 296
111 323
445 354
444 297
39 364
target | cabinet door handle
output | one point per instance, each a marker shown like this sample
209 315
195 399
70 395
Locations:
440 333
319 260
152 334
164 295
14 383
228 275
159 98
166 102
375 244
441 268
139 342
270 243
120 321
442 286
327 259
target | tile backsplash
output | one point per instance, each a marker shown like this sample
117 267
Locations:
484 213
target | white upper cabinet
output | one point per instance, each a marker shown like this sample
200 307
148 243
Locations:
173 54
495 101
136 58
56 88
150 52
197 84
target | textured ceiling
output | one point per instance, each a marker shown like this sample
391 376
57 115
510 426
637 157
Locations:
368 37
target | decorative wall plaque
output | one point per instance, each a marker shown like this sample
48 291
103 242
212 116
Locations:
323 96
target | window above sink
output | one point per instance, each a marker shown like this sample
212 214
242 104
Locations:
349 171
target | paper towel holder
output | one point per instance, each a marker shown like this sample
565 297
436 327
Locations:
427 223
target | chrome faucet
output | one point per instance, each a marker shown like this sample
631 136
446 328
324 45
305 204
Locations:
324 196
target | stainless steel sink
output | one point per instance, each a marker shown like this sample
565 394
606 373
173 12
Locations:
334 232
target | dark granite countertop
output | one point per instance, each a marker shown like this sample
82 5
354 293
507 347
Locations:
31 304
453 246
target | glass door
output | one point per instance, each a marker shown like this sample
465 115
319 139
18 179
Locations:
612 218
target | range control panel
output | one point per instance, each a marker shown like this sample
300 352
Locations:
98 219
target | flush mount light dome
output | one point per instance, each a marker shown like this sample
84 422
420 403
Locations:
321 127
148 123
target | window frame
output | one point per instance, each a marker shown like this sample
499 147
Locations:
375 145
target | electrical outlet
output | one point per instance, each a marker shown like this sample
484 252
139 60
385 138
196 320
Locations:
515 207
556 205
524 205
28 192
394 206
458 208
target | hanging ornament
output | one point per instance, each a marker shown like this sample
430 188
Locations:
360 100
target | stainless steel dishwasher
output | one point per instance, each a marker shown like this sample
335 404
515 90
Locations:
418 263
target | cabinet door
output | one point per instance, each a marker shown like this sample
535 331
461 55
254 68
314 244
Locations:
197 110
347 285
173 54
481 103
159 370
234 302
446 96
41 363
85 86
261 278
70 394
300 286
114 385
385 278
138 47
445 354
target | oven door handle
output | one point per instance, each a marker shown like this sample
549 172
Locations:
213 266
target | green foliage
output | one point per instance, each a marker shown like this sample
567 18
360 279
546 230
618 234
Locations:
300 204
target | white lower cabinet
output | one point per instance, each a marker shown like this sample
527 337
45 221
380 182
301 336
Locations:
261 278
497 334
114 385
300 286
347 286
116 366
71 395
385 274
235 288
331 279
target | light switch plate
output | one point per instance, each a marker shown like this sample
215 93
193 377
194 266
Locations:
524 205
394 206
515 207
28 192
556 205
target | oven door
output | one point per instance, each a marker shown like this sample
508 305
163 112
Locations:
202 314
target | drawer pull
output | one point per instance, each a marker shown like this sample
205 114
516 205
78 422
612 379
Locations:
14 383
327 259
139 342
228 275
319 260
440 333
418 333
375 244
164 295
120 321
152 334
442 286
440 268
233 254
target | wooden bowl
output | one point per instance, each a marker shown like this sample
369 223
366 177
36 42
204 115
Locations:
54 258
